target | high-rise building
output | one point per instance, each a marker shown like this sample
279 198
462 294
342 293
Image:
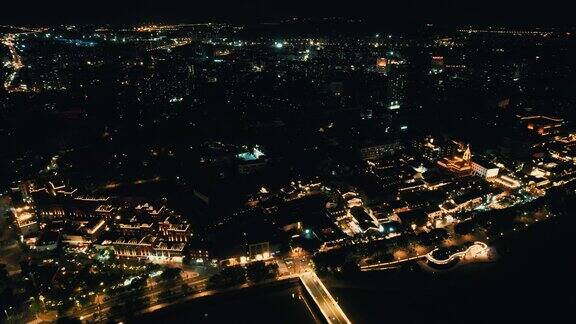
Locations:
437 64
396 86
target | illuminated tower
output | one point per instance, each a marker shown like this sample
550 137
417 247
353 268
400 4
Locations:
467 156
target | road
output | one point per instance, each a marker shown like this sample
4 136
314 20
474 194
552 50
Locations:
175 43
387 265
16 62
479 251
152 294
297 264
321 296
299 269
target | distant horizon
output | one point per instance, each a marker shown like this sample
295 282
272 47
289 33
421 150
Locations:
554 13
278 21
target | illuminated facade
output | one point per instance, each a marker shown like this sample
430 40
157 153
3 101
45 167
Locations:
382 64
377 151
543 125
26 220
437 64
458 164
484 169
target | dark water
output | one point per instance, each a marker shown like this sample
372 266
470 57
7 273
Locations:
270 304
533 282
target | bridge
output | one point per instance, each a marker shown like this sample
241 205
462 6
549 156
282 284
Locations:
323 299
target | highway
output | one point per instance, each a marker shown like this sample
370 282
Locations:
321 296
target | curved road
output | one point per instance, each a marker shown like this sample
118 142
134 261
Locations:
481 246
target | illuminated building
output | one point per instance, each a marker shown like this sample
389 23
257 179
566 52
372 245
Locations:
465 165
382 64
253 155
543 125
456 163
26 221
251 161
175 232
259 251
84 232
413 218
434 148
377 151
105 211
467 154
484 169
467 201
168 250
568 139
149 209
26 188
47 241
132 247
434 212
437 64
221 52
199 256
396 86
363 220
147 247
508 182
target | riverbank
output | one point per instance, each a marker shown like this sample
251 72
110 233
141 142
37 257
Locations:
277 302
531 282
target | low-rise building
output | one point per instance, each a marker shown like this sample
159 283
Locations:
47 241
84 232
26 220
375 152
483 168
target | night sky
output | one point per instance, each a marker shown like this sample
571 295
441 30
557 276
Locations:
507 12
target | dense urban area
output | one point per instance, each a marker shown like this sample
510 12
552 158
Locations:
153 166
